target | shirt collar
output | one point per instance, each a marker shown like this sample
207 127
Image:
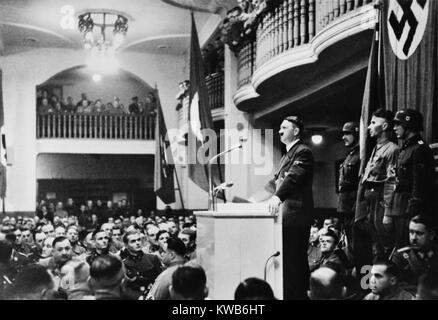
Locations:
290 145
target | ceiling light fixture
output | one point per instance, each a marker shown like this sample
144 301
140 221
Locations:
98 38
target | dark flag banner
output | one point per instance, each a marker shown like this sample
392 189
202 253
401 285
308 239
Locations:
373 99
199 119
410 35
164 186
3 143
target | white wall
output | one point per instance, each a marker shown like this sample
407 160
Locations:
22 72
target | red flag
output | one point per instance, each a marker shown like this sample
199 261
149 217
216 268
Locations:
374 93
373 99
199 119
164 186
3 144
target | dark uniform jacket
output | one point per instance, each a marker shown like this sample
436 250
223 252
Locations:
415 179
293 185
413 263
141 269
349 181
337 257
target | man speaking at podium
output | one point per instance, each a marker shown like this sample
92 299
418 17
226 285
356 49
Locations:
292 189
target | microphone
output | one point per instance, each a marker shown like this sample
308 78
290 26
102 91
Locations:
224 185
212 205
275 254
237 146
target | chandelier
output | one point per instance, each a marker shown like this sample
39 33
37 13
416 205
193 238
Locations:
94 27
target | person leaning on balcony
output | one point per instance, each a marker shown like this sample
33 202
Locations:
82 107
69 105
133 107
83 98
45 107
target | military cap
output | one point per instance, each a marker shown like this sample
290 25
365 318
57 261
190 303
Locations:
409 118
351 127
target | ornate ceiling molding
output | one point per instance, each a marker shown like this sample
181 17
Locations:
212 6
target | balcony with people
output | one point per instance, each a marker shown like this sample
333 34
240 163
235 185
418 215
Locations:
116 113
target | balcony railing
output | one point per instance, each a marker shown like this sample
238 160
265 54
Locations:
246 63
95 126
290 24
215 87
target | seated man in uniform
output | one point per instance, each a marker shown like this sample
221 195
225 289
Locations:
421 257
384 283
330 252
189 283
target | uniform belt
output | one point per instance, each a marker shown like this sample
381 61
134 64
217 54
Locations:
373 185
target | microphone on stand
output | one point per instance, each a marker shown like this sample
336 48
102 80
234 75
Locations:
212 205
224 186
275 254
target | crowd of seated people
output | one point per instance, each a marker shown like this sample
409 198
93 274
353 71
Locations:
399 277
101 252
68 239
53 104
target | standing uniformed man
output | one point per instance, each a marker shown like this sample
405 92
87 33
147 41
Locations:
421 256
349 179
377 188
415 175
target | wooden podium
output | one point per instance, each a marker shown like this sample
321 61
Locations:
234 243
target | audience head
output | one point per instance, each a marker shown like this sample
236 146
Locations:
421 233
314 234
328 241
175 250
188 236
162 236
49 230
189 283
39 239
73 234
326 284
152 232
100 239
132 241
384 277
254 289
108 228
59 231
33 283
47 249
107 272
62 250
173 228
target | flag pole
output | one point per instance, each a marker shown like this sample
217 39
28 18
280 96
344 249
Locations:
179 190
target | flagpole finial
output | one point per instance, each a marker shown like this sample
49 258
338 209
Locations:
378 4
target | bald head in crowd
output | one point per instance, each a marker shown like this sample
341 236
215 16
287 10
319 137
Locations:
326 284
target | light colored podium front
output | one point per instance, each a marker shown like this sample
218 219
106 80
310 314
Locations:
234 243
